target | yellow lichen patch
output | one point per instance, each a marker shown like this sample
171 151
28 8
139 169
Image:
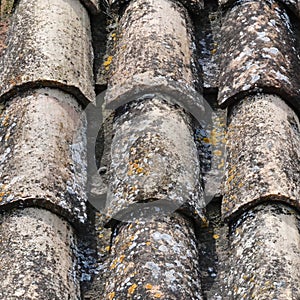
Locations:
217 152
107 62
111 295
107 248
213 51
221 164
216 236
148 243
114 263
205 222
158 295
132 289
121 258
5 121
148 286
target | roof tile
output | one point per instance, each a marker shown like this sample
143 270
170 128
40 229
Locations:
49 45
258 53
263 154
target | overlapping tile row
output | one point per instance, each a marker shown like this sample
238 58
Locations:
154 173
263 259
48 45
154 259
37 256
258 57
258 53
259 81
152 68
46 77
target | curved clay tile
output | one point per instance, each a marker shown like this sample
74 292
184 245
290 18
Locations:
263 154
41 163
258 53
48 45
153 53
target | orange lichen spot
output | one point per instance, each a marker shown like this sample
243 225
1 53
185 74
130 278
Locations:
216 236
111 295
114 263
206 140
205 222
230 178
221 164
158 295
121 258
148 286
148 243
217 152
132 289
140 170
241 184
107 62
213 51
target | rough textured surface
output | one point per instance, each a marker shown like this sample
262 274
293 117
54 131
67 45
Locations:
194 6
5 16
48 45
6 8
257 53
293 5
153 54
207 36
154 161
37 258
42 158
157 259
263 257
92 5
263 154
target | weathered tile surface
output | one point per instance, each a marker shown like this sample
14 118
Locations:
293 5
154 160
42 162
263 259
263 154
257 53
48 45
193 5
153 54
157 259
37 258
